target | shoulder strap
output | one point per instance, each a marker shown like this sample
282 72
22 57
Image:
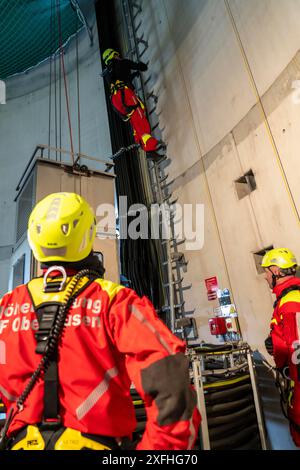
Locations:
50 354
285 292
47 303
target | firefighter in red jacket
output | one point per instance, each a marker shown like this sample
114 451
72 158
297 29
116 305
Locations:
107 338
125 101
284 340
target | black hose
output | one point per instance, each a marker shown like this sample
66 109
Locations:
225 376
228 395
232 441
232 427
238 416
225 384
229 407
252 444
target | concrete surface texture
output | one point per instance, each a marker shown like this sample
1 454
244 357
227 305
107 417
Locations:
24 123
226 74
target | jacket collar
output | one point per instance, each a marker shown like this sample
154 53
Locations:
293 281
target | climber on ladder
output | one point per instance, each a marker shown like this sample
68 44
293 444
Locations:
118 73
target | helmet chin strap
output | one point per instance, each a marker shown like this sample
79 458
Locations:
275 277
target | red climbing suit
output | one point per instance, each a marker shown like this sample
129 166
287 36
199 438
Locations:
112 337
285 333
131 107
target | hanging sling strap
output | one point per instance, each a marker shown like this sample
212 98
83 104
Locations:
46 316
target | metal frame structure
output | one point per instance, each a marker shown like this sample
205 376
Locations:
73 159
199 375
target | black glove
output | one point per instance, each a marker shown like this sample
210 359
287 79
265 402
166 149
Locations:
269 345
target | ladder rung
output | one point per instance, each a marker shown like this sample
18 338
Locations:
165 199
136 15
184 288
168 184
143 52
138 26
181 242
164 178
152 110
137 6
173 283
153 96
174 201
172 216
141 40
173 245
173 204
177 256
162 129
160 181
176 261
179 265
183 322
190 312
177 306
148 80
130 51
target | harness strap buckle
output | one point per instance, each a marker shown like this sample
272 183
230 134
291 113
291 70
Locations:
51 424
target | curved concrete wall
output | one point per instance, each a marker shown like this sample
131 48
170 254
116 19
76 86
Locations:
224 73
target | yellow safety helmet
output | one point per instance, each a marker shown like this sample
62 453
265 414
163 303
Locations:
281 257
61 227
109 54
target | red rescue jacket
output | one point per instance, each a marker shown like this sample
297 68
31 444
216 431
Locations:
285 333
112 338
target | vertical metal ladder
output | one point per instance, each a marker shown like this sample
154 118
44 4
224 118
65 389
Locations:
173 261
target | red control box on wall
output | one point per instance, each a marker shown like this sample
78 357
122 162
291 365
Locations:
218 326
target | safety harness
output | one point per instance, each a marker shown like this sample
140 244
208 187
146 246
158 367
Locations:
52 298
285 292
47 313
117 86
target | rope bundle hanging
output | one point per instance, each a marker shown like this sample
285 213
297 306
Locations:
56 79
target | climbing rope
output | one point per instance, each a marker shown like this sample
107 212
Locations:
61 49
52 35
78 92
